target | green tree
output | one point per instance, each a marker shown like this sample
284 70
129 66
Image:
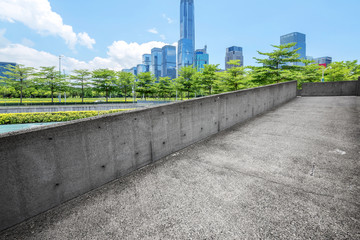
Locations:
81 78
185 80
342 71
18 76
49 79
164 87
104 81
209 77
235 77
275 67
125 82
145 84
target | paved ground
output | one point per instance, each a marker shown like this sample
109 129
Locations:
292 173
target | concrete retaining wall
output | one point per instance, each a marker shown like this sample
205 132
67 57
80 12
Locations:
346 88
42 168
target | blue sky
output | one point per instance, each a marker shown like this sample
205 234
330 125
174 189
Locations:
115 33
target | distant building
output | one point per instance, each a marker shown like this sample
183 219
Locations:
146 60
2 67
201 58
126 70
141 68
234 53
134 71
300 40
186 44
156 62
169 61
323 61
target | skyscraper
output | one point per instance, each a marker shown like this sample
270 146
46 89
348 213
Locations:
146 60
156 62
234 53
141 68
186 45
169 61
201 58
300 40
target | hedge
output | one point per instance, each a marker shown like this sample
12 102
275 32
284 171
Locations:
40 117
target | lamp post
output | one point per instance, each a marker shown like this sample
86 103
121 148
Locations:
60 56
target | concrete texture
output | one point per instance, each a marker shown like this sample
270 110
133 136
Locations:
42 168
346 88
90 107
292 173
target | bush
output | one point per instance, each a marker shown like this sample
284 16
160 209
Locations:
41 117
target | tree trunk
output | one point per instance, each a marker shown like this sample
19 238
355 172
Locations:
21 92
52 95
106 93
82 90
125 93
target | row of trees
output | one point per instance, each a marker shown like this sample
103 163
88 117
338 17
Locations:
275 68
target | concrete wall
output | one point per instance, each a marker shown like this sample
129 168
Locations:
346 88
42 168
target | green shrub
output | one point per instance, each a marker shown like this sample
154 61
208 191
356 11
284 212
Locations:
41 117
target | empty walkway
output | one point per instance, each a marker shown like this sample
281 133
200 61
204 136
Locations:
292 173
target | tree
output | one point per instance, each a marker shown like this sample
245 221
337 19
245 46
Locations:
235 77
185 80
163 87
50 79
104 81
125 82
145 84
81 78
342 71
209 77
275 67
18 77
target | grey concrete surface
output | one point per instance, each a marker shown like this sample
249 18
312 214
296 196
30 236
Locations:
64 108
292 173
44 167
345 88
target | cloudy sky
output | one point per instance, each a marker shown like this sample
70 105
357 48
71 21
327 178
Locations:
115 33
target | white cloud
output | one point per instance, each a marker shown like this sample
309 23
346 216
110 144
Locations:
153 30
120 55
162 36
27 42
169 20
38 15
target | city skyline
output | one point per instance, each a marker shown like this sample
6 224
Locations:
119 40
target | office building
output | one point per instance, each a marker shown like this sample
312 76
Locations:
169 61
234 53
156 62
3 65
201 58
146 60
300 40
141 68
325 61
186 44
134 71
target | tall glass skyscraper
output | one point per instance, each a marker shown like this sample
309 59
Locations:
146 60
169 61
300 40
234 53
201 58
186 45
156 62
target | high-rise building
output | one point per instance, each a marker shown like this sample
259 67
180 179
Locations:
146 60
234 53
323 60
201 58
300 40
169 61
156 62
3 65
186 45
134 71
141 68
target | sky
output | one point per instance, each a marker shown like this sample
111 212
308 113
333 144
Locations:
114 34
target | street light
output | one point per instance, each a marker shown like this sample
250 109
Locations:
60 56
323 73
